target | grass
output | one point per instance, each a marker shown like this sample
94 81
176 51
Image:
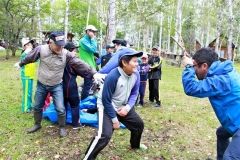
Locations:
183 128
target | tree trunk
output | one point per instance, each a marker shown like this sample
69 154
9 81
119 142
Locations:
169 33
89 10
111 30
39 21
160 32
230 29
207 34
178 25
66 21
218 30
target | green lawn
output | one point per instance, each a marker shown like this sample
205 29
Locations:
183 128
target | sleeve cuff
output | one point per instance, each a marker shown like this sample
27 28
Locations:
128 107
114 120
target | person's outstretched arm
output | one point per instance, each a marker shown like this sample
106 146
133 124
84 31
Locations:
31 57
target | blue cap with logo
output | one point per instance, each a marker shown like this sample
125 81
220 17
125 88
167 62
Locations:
128 52
58 38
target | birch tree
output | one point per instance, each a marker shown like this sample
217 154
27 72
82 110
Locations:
66 21
178 23
39 21
160 31
230 29
111 28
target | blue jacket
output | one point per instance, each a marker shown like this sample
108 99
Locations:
222 86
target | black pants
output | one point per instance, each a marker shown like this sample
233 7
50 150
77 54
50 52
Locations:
74 103
154 90
105 130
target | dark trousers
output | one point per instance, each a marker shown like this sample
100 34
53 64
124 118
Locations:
74 104
154 90
88 82
226 149
105 130
142 89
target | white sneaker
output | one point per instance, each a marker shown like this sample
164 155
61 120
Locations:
143 147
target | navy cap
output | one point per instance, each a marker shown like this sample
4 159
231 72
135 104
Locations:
120 41
109 46
70 46
58 38
128 52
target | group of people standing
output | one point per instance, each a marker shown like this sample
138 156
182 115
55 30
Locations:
124 81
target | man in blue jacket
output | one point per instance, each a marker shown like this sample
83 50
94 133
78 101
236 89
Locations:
220 82
117 96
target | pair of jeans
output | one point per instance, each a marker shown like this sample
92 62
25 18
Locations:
55 91
226 149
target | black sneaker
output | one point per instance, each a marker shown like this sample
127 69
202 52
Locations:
77 127
158 104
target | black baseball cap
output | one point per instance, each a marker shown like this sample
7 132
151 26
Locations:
57 37
70 46
120 41
109 46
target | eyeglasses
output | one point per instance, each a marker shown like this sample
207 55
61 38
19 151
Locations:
198 64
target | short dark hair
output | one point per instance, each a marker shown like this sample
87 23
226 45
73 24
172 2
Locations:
205 55
126 58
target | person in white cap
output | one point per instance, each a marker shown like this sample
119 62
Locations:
87 48
27 76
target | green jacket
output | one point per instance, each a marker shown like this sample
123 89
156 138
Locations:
87 48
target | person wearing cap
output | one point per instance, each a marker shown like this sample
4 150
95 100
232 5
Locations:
27 76
120 86
70 88
143 71
87 49
119 43
53 59
154 76
108 56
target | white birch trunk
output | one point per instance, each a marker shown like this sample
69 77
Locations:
89 10
160 32
51 11
230 29
139 39
207 34
178 24
66 21
39 21
219 17
111 30
169 33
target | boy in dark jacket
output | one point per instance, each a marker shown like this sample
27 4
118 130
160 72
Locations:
154 76
70 88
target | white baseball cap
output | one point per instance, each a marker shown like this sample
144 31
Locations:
91 27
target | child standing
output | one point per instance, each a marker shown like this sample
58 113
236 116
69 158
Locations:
154 76
143 71
27 76
70 88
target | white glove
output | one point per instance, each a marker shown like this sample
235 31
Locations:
17 65
186 60
99 77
